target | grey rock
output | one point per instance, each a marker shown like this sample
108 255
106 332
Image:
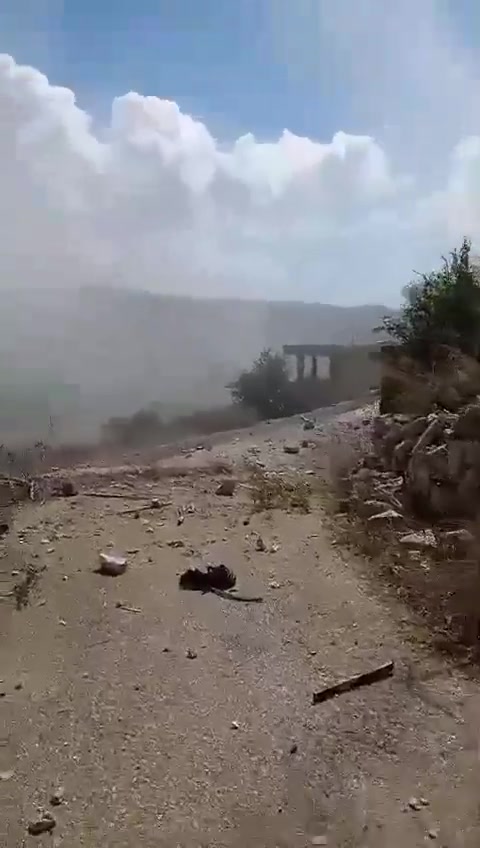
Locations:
420 539
467 425
386 515
226 487
111 565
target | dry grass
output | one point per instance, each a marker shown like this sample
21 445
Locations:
270 490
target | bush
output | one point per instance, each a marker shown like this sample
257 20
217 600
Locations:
442 310
144 427
266 388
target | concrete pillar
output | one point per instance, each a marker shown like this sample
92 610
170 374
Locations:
300 366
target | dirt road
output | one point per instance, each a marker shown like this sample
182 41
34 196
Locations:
189 722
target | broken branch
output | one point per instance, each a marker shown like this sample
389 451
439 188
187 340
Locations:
126 496
366 679
159 505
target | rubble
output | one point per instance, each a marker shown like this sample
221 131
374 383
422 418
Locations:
435 456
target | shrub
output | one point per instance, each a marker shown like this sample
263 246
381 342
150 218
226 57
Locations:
266 388
442 310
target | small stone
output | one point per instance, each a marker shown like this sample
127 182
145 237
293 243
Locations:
191 654
7 775
226 487
44 824
414 803
308 425
294 748
67 489
57 797
260 544
18 686
433 833
291 449
319 840
112 566
235 725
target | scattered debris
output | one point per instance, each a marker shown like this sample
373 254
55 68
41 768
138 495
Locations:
111 565
176 543
44 824
217 579
226 487
191 654
366 679
291 449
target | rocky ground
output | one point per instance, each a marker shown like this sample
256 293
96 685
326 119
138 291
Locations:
135 713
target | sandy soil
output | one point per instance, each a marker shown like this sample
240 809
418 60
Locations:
187 720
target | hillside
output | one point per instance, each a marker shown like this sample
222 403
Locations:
93 352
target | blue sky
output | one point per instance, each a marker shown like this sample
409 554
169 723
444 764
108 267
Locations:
406 74
241 66
220 60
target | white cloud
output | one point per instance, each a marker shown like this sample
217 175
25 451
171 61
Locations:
154 201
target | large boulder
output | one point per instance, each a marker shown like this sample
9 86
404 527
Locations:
467 425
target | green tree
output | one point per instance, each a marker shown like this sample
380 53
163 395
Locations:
442 309
266 388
